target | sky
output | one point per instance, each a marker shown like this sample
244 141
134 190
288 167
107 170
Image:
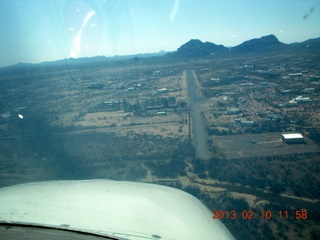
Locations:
34 31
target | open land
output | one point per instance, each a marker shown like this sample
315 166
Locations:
262 144
209 126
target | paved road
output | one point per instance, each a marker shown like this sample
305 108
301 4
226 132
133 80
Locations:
198 131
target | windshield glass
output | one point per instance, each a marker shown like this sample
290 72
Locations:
217 98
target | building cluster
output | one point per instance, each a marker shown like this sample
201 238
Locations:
271 96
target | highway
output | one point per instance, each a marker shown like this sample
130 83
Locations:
197 127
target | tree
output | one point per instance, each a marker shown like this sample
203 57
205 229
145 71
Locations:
126 105
182 104
315 135
165 102
171 101
136 106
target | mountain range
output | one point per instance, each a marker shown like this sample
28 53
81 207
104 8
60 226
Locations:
269 43
196 48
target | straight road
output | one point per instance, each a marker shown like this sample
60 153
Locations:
197 127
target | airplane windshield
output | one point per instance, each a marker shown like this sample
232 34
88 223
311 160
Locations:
216 98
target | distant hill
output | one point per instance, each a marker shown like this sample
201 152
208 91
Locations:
84 60
309 44
263 44
97 59
196 48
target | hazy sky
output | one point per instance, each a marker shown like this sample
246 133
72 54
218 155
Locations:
44 30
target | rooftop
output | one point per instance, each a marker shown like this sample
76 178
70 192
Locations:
292 135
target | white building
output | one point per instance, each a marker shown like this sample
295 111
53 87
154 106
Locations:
292 138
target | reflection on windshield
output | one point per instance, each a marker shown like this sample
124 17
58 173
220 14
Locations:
124 90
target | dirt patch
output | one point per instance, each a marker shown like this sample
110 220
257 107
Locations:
266 144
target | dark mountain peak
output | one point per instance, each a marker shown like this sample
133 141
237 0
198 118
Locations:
197 48
194 42
264 40
271 39
265 43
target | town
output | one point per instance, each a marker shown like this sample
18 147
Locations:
238 132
